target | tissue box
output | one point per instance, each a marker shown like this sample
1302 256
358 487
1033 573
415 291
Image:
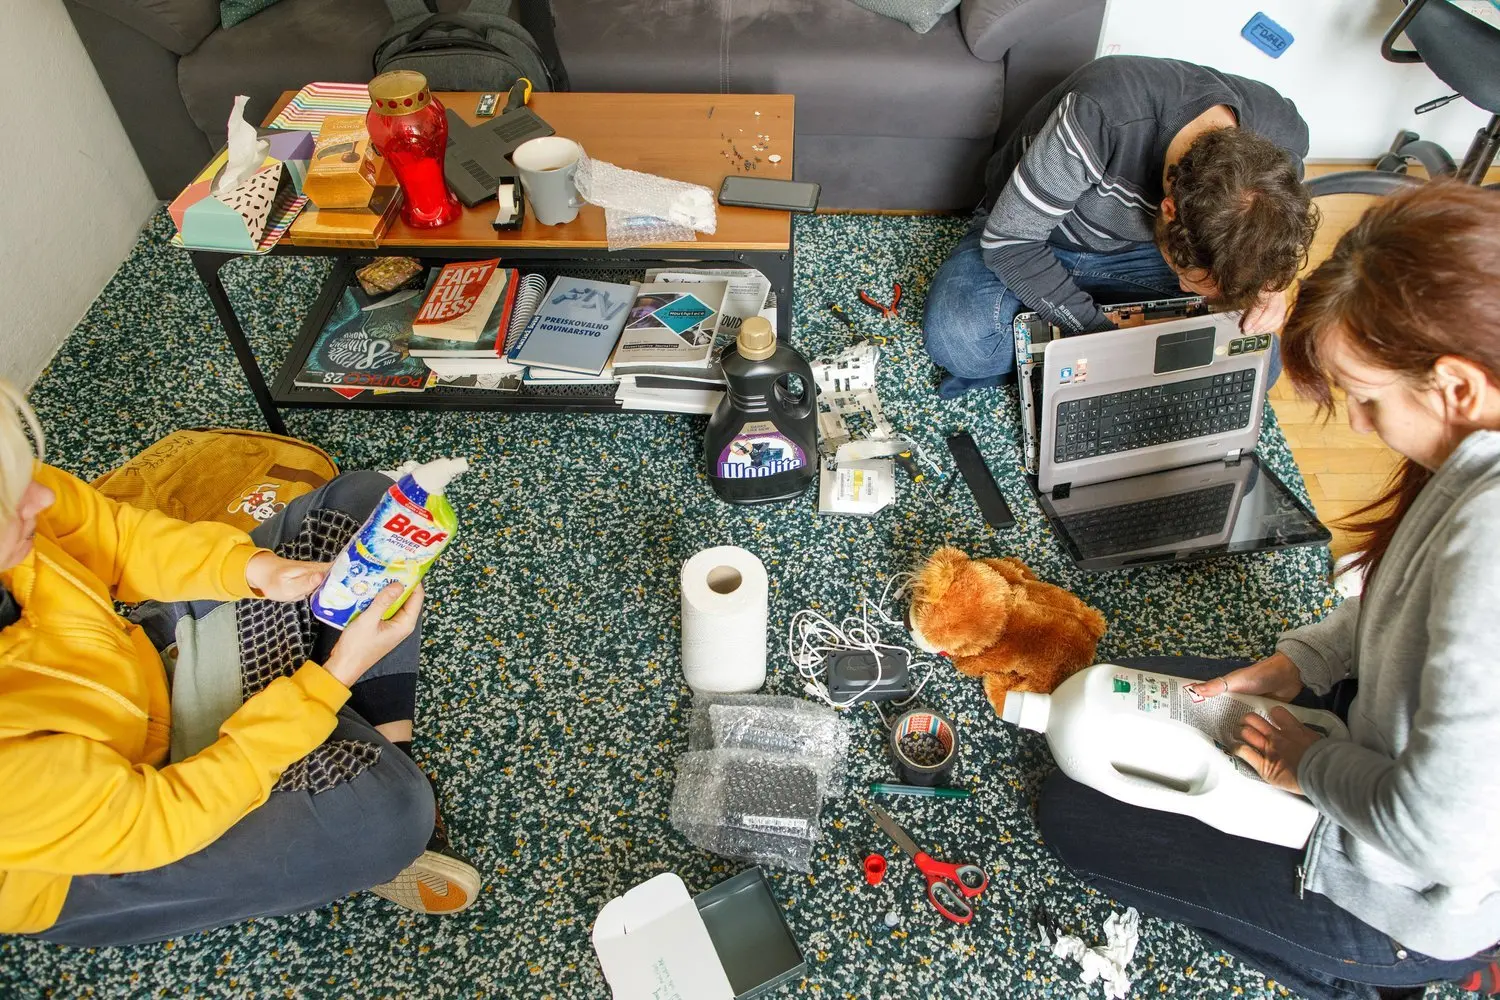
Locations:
238 220
345 169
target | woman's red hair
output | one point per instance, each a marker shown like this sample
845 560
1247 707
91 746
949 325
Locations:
1416 279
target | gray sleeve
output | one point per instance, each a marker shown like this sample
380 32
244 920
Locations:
1062 162
1436 804
1324 650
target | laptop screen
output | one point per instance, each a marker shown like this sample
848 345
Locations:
1180 515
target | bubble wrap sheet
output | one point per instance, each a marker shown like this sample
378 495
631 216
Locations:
748 804
775 724
641 209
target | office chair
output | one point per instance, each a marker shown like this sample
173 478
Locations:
1462 51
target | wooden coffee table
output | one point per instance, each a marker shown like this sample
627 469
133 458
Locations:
691 137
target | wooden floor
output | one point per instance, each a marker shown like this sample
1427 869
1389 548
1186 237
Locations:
1343 470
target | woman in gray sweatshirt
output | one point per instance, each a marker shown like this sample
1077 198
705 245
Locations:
1399 884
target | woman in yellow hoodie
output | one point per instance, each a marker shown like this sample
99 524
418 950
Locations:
138 804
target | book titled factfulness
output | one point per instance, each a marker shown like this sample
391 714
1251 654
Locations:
460 300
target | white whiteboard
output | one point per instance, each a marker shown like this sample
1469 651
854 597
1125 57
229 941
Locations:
1353 100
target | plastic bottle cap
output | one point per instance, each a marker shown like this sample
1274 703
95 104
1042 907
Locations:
1027 709
434 476
757 341
874 868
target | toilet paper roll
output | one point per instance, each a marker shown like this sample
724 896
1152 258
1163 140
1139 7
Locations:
724 598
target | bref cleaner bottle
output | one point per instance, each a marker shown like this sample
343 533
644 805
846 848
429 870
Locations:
409 528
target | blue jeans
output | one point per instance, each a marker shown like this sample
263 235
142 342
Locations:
1240 894
297 850
967 320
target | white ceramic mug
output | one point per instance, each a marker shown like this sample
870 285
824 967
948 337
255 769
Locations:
547 166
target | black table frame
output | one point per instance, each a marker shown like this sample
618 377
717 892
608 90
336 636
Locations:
776 265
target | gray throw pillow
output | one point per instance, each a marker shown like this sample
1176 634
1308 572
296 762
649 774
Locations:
920 14
232 12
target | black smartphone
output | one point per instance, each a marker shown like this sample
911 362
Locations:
767 192
981 482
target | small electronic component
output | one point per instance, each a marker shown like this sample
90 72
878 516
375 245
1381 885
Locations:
486 106
853 673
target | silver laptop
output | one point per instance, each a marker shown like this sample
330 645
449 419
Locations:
1141 439
1127 402
1208 509
1033 334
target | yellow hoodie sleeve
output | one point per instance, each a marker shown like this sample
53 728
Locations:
72 806
144 555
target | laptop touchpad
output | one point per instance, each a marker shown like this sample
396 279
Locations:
1182 349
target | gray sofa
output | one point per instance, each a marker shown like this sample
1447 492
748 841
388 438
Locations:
886 118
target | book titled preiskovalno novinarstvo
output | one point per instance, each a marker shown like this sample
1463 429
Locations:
576 326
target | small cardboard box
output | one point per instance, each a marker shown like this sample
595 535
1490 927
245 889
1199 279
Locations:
728 943
345 169
358 228
237 220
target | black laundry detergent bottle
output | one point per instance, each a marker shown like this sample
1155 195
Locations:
762 441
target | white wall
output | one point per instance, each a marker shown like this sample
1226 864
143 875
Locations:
1353 101
73 194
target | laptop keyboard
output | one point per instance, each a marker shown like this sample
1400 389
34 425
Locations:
1145 524
1158 414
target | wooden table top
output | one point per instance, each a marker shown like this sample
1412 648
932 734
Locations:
699 138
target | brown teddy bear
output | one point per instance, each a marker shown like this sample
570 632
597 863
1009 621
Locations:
996 620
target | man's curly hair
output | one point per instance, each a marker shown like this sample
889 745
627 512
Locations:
1243 215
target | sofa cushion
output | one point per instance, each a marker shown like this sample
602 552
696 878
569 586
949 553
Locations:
921 15
283 47
178 25
232 12
853 72
992 26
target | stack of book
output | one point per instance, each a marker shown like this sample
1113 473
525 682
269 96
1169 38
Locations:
571 338
364 345
447 332
468 349
660 376
655 339
476 324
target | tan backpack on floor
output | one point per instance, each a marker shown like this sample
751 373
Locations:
239 477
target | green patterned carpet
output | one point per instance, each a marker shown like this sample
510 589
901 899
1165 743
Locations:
552 704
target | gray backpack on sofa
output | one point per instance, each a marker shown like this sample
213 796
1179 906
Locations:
481 48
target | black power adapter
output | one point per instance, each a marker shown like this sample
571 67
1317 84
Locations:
852 671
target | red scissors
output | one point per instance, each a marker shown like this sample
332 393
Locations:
948 886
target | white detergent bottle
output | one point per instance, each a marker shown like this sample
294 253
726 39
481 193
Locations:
1141 738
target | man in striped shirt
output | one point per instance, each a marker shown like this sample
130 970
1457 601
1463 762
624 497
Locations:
1134 179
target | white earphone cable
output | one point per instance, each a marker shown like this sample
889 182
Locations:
812 637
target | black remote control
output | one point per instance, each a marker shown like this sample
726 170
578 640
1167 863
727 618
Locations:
981 483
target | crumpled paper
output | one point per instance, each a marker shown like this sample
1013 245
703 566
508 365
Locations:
641 209
1105 963
247 151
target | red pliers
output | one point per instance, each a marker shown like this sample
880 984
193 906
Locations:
887 311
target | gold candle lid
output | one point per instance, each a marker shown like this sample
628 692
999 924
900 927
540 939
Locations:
399 92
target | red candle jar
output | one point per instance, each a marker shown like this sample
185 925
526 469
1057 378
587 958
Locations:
410 129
